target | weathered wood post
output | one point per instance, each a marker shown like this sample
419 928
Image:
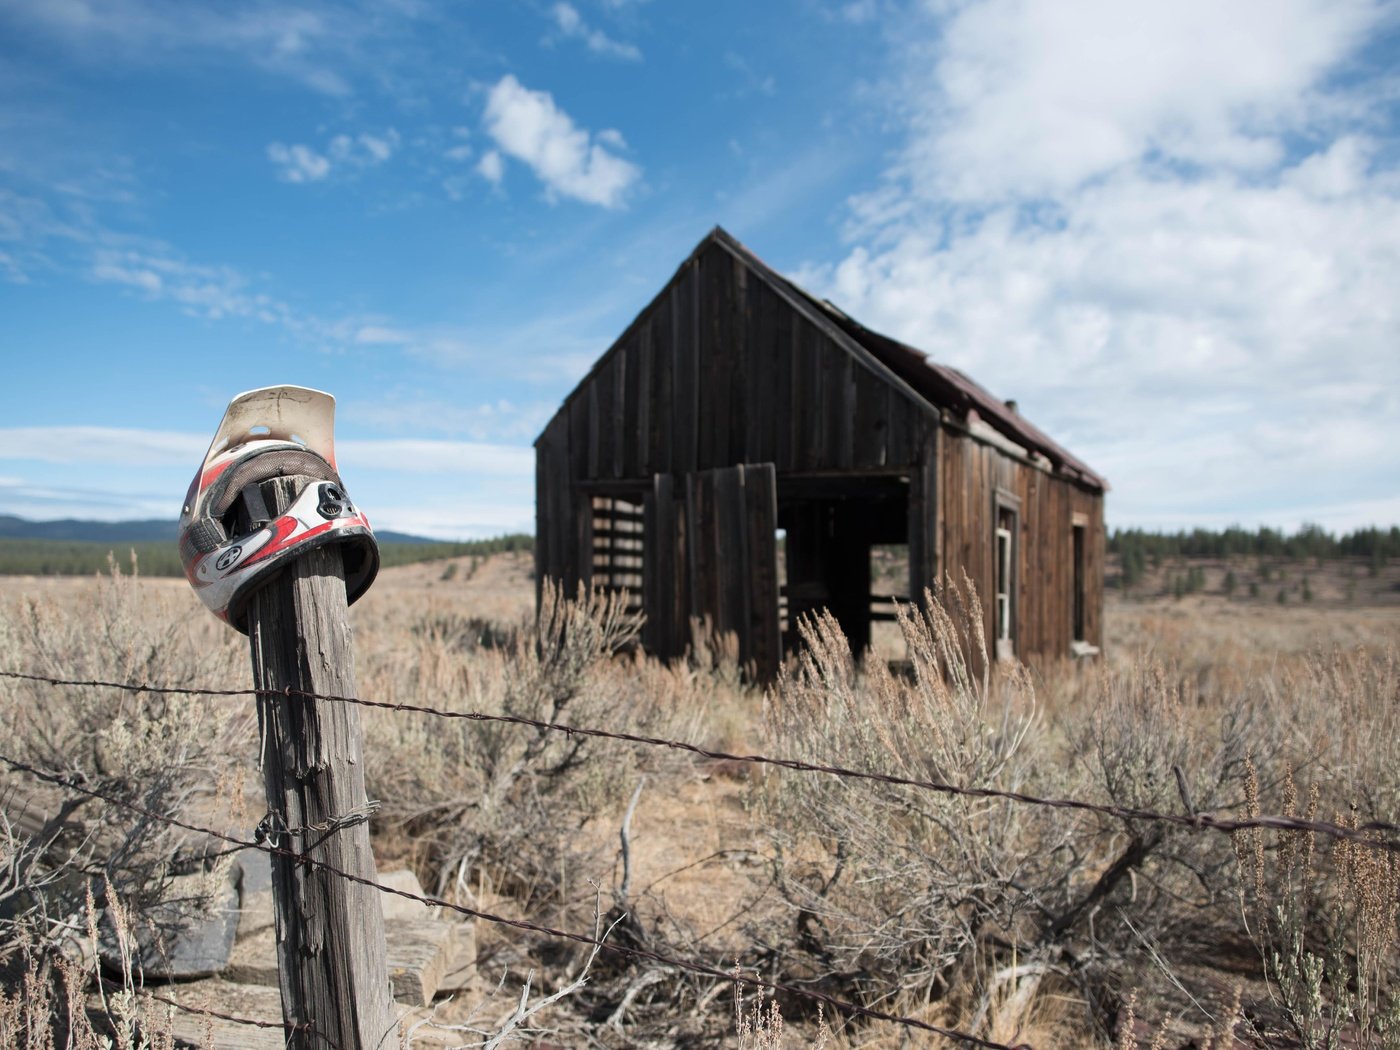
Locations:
330 931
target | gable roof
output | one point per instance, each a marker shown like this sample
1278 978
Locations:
941 385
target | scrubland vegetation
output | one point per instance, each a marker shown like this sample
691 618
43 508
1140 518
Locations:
1022 924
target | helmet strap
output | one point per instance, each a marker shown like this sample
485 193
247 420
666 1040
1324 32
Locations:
255 506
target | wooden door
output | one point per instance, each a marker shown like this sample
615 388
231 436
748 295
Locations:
712 554
731 522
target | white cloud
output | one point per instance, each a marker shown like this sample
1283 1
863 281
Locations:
570 24
528 125
1105 211
491 167
1033 97
298 163
108 445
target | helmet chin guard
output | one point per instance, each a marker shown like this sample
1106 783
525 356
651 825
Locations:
278 431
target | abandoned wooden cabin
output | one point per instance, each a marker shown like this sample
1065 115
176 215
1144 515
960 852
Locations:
739 416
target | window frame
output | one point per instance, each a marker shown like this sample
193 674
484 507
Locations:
1079 577
1005 621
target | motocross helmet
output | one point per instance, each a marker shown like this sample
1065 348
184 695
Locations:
278 431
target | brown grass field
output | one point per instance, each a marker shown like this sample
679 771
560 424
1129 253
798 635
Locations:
1048 927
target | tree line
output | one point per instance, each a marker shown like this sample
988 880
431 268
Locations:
1310 541
1137 549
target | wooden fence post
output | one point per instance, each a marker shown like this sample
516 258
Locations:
330 931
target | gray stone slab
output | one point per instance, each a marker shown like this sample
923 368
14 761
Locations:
188 936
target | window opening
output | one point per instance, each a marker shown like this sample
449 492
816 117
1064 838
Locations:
1080 578
618 550
1005 583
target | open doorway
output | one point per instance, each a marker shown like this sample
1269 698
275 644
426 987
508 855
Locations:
889 586
842 540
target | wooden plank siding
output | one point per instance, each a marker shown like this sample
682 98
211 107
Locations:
731 365
743 380
972 472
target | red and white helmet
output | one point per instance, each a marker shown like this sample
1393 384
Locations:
274 432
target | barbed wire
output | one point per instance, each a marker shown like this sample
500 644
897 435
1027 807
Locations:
1364 834
703 969
205 1011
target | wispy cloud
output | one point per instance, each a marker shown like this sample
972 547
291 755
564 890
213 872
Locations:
44 500
207 291
490 487
751 81
307 42
528 126
571 25
498 421
113 445
298 163
491 167
441 458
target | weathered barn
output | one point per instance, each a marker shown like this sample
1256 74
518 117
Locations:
736 408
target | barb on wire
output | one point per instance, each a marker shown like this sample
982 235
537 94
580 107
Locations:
704 969
1362 833
273 824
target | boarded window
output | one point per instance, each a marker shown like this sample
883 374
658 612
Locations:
617 548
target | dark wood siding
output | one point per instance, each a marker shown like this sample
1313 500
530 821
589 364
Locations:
972 473
745 379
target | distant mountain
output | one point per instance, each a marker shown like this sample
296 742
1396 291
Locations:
153 530
150 531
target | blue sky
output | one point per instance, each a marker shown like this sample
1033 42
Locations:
1170 231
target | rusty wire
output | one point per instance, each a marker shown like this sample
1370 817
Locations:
704 969
204 1011
1362 833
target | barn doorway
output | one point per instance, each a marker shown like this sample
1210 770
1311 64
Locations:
838 532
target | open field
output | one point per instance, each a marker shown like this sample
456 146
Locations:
1017 923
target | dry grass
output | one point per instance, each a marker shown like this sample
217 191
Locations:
1020 924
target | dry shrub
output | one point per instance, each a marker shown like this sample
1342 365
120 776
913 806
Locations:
44 997
481 802
1324 917
895 888
167 754
983 902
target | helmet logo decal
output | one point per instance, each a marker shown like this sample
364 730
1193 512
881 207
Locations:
333 503
228 558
